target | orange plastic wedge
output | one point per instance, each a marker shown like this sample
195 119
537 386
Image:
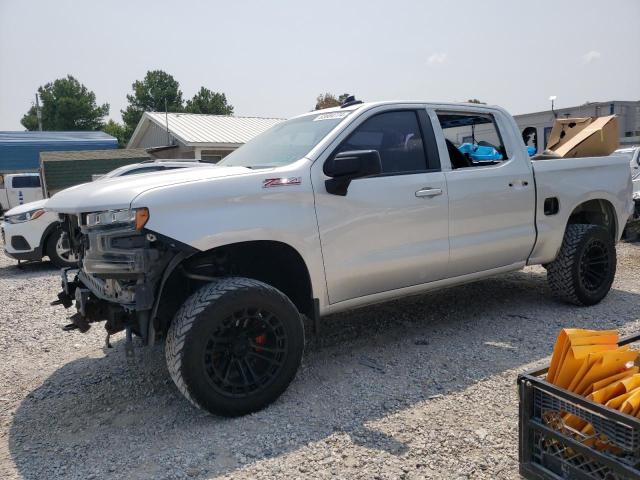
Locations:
606 365
569 337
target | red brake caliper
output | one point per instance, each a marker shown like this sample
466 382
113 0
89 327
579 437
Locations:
260 340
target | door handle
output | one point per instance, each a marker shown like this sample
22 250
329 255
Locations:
428 192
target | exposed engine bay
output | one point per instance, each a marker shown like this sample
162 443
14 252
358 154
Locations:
119 270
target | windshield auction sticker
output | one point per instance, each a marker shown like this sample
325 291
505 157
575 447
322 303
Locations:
331 116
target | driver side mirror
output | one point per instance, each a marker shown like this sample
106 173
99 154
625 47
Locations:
346 166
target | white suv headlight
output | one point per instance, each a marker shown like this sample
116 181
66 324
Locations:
134 217
24 217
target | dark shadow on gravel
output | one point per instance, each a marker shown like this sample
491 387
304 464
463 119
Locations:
32 269
366 365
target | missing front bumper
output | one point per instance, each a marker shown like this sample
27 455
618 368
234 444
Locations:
90 306
93 305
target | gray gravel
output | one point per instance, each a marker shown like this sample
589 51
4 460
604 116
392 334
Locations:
418 388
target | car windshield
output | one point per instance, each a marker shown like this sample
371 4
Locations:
286 142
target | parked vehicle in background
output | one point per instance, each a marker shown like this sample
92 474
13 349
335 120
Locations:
632 231
18 189
633 154
325 212
636 184
30 232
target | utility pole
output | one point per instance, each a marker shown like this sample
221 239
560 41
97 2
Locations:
38 113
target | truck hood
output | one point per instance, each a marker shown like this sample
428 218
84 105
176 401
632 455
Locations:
26 207
119 192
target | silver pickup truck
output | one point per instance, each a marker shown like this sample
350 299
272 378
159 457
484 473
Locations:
328 211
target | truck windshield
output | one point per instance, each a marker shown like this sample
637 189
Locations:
284 143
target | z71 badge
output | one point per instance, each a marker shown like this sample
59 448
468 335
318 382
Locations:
281 182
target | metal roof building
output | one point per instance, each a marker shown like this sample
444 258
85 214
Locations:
19 151
196 136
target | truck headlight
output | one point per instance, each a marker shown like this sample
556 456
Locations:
133 217
25 217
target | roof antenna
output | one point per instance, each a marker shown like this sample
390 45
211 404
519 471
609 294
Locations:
166 121
350 100
553 99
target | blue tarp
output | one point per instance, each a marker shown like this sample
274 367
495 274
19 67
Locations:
20 151
480 153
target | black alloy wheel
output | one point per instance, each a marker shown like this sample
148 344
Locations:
234 346
594 265
585 266
245 352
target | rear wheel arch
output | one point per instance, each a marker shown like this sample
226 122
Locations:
595 212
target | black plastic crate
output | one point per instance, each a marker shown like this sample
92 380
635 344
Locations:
549 449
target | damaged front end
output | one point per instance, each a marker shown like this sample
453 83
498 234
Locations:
120 266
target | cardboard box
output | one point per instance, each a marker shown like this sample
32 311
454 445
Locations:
584 137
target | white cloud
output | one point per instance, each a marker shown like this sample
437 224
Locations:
591 56
436 58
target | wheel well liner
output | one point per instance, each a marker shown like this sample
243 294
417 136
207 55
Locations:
596 212
272 262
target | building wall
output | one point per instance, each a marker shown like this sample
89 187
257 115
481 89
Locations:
61 174
211 154
155 137
16 157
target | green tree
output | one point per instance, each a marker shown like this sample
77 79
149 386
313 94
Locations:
206 101
149 95
117 130
66 105
475 100
328 100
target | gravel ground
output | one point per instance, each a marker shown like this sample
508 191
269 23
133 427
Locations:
418 388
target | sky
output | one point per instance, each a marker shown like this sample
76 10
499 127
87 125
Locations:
273 58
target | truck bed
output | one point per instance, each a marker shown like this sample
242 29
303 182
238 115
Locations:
573 181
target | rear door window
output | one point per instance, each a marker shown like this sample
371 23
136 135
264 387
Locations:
473 139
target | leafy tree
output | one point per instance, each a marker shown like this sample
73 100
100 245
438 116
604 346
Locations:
328 100
149 95
206 101
475 100
117 130
66 105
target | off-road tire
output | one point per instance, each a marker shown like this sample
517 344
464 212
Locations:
52 253
208 310
565 274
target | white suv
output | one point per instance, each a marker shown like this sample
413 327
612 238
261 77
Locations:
30 232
